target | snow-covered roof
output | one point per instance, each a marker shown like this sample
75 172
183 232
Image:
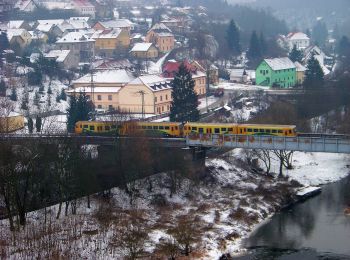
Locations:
160 27
73 37
59 55
144 46
95 90
299 66
80 18
23 4
280 63
107 76
113 34
79 24
153 82
15 24
37 34
119 23
14 32
51 21
165 34
297 36
44 27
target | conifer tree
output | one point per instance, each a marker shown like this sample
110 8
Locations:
63 95
254 51
314 76
49 90
36 98
233 38
185 100
30 125
13 95
72 113
79 110
263 45
2 88
4 42
38 123
295 54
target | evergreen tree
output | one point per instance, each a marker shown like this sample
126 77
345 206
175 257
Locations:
2 88
263 45
295 54
58 98
72 113
343 51
36 98
63 95
49 90
320 33
35 78
185 100
254 51
30 125
314 76
79 110
4 42
25 101
233 38
13 95
38 122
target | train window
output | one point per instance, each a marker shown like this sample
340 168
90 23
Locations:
255 130
155 127
223 129
161 127
261 130
217 130
274 131
149 127
290 131
250 130
194 128
92 128
114 126
107 128
99 128
167 128
230 129
86 126
201 130
280 131
143 127
268 131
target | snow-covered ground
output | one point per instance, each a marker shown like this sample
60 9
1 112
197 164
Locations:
228 204
156 67
237 86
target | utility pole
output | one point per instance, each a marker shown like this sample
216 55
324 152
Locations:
142 93
92 87
207 85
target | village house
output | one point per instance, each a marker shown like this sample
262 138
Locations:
108 42
300 69
64 58
104 91
320 56
81 45
298 39
20 36
162 37
171 67
144 51
278 72
150 94
39 36
5 6
212 70
123 24
84 7
25 5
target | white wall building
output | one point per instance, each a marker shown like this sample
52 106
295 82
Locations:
299 39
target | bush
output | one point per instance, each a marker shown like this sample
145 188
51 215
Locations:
159 200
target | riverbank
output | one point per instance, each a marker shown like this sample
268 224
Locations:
224 206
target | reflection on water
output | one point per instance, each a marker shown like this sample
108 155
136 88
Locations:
319 224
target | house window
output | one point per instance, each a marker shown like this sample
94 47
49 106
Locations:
110 97
166 97
99 106
162 108
155 99
110 107
161 98
99 97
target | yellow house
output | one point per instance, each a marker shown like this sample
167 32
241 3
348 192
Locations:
300 69
144 51
150 94
108 41
162 37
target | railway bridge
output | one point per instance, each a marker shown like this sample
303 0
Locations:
326 143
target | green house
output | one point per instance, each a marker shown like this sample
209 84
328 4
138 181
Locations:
279 72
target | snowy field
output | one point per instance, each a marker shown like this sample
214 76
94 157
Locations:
227 204
238 86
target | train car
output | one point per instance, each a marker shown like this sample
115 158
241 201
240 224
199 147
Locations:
158 128
96 128
209 128
261 129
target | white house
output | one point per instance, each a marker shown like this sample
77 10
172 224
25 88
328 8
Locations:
298 39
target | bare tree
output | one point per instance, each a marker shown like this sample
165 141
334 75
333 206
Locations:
265 157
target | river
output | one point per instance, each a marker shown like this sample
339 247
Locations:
315 229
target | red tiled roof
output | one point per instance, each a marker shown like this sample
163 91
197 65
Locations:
170 68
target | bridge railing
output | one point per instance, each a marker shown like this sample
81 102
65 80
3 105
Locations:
306 144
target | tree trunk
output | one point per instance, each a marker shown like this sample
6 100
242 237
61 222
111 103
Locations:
59 210
281 168
88 201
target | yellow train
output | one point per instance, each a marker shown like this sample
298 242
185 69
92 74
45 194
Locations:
174 129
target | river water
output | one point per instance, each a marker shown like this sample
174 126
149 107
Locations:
315 229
